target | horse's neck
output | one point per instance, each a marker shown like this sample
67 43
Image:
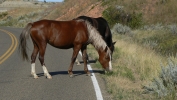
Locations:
108 40
100 52
95 38
95 23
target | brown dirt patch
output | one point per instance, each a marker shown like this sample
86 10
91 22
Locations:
94 10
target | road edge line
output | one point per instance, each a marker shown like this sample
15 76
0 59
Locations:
95 82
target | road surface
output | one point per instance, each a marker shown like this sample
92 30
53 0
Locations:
16 83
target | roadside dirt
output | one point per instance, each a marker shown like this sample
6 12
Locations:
94 10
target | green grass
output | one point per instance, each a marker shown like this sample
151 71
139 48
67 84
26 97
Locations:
125 72
163 41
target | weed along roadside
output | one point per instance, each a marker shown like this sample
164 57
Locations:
138 68
144 61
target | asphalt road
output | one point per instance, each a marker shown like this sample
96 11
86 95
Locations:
16 83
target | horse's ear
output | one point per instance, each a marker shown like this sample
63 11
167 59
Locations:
114 43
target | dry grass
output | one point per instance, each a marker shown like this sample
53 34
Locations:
141 60
22 11
144 64
133 66
164 12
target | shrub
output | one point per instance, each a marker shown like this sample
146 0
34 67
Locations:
21 20
165 84
3 14
157 26
173 28
2 23
120 29
116 14
9 23
136 20
111 15
159 37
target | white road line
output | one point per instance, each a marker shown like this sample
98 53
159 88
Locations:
95 82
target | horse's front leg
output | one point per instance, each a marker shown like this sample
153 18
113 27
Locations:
85 58
74 56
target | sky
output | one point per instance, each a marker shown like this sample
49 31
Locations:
51 0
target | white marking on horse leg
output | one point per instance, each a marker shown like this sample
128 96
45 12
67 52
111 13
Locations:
110 65
33 72
77 61
46 73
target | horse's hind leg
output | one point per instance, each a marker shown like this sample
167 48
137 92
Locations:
77 61
33 58
41 59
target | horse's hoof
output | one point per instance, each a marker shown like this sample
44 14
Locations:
71 76
89 74
49 77
36 77
78 64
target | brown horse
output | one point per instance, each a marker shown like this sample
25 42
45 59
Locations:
103 29
74 34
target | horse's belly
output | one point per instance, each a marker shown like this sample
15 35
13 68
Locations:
65 47
62 45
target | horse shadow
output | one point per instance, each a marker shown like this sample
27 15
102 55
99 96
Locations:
76 73
90 61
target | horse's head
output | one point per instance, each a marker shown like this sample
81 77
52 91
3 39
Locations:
112 48
105 59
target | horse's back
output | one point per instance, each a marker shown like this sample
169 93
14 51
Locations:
52 24
60 34
103 24
100 24
46 27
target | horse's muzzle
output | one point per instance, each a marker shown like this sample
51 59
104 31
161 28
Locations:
108 69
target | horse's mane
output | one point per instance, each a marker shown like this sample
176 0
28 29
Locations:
95 38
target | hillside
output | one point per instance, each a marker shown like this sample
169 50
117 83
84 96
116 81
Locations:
151 10
20 3
74 8
18 13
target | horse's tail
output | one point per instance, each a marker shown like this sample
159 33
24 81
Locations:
23 37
